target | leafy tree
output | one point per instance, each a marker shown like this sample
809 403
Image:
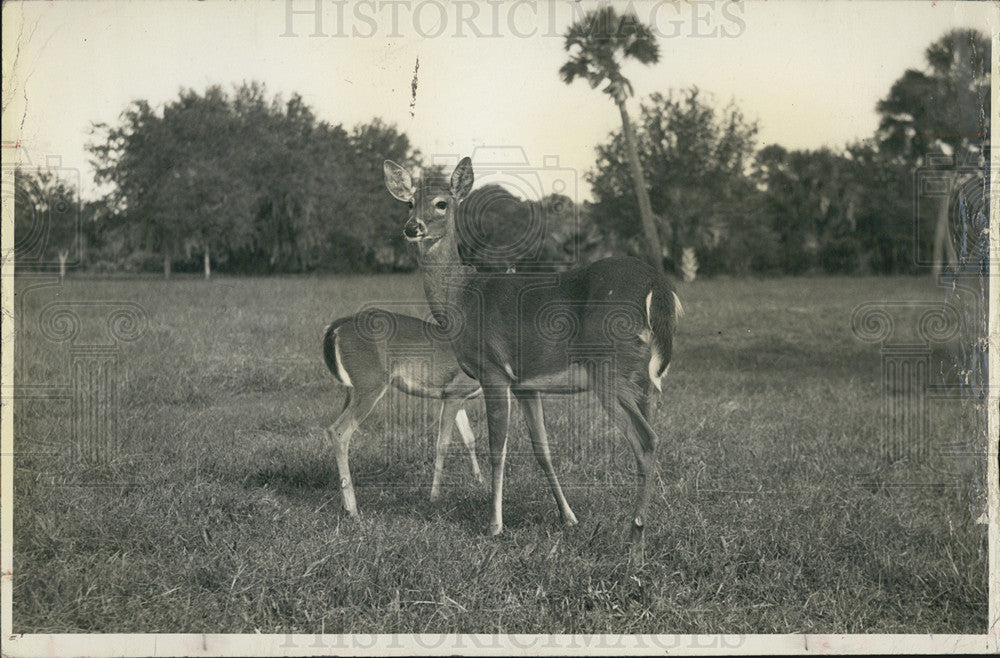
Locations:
942 110
253 182
46 219
698 159
573 237
134 158
497 232
211 201
598 44
883 214
373 213
812 198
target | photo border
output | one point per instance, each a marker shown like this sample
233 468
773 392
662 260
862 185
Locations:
165 644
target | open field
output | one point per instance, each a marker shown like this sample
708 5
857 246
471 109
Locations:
219 511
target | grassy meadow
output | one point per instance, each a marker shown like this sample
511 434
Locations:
220 512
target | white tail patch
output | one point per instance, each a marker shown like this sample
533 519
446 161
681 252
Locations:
678 309
509 371
654 366
655 358
341 370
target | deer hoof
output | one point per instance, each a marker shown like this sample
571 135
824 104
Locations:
636 533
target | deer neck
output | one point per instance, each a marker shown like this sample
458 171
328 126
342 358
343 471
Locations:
445 277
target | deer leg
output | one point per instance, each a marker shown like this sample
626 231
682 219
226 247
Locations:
645 401
644 446
622 405
446 419
648 401
469 439
358 407
498 403
531 404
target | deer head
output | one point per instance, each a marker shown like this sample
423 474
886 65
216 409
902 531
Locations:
433 207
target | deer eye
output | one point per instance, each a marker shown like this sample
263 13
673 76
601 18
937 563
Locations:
441 205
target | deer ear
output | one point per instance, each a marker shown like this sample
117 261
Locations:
462 178
397 181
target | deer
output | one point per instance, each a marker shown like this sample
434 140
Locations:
375 349
606 327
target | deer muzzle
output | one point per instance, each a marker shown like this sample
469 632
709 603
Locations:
414 230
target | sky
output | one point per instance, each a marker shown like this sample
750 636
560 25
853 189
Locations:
810 72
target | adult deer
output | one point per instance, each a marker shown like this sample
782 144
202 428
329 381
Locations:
607 327
375 349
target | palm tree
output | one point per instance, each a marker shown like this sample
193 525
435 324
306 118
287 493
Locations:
598 44
943 110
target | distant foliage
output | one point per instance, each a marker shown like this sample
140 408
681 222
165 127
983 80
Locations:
499 232
256 184
841 256
935 122
948 102
47 218
811 198
696 160
260 184
695 157
884 223
748 211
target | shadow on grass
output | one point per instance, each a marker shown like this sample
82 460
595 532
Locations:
401 491
394 490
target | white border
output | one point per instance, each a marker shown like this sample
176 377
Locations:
164 644
114 645
993 364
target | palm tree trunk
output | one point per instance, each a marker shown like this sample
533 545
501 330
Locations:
654 253
944 249
63 256
208 264
166 266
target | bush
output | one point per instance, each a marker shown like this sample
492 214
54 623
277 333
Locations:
840 256
749 248
142 261
797 259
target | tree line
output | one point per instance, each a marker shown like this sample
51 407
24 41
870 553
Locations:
244 182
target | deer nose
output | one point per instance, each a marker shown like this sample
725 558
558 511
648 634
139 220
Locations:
414 229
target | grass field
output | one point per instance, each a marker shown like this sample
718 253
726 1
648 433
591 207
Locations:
220 512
